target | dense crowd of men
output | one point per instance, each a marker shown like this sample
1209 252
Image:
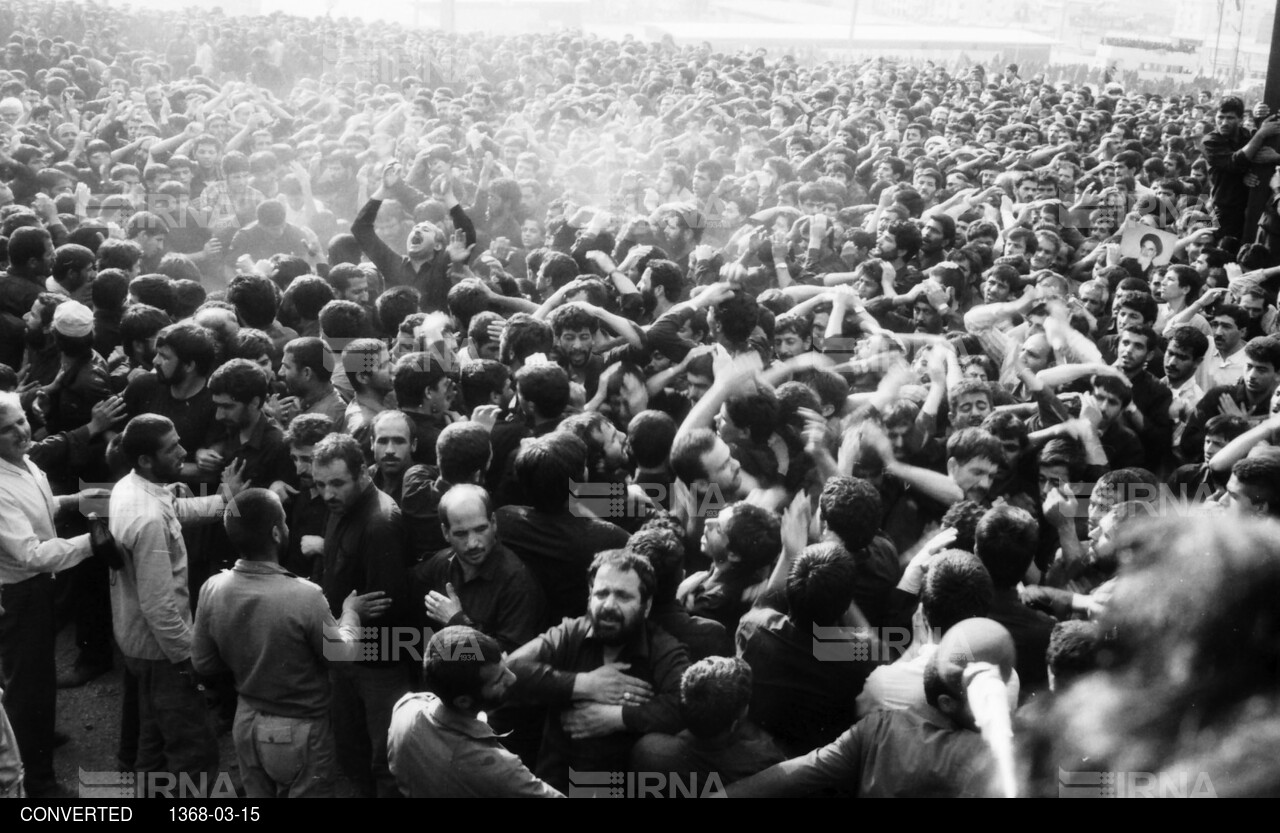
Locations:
512 414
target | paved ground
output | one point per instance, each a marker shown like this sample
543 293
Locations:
90 716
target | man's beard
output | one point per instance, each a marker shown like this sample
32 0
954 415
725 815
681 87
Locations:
650 300
179 376
616 630
36 339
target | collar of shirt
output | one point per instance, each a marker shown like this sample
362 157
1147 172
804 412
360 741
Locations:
156 490
486 571
324 393
260 568
450 718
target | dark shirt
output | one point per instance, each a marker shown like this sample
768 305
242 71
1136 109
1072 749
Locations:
878 572
194 417
1209 406
431 279
364 551
545 669
1153 400
265 454
803 696
426 430
420 493
702 637
558 550
1030 630
1228 195
260 244
307 515
902 752
745 751
106 332
502 600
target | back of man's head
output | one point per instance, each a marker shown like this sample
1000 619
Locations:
455 661
1006 542
821 585
957 587
851 508
714 694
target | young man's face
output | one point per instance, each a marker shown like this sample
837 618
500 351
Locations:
1127 317
1178 362
1226 334
974 477
995 291
1131 352
575 345
1110 406
789 345
971 409
932 236
1245 500
1259 378
724 473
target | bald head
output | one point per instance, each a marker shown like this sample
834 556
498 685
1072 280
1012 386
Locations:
968 642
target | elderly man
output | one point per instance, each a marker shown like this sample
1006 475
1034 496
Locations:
29 552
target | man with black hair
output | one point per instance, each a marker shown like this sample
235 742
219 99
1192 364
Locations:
798 696
177 389
363 550
269 235
1185 349
556 543
1254 488
437 745
31 258
1231 152
306 506
851 512
151 613
1073 652
273 631
462 452
542 395
608 677
1250 396
74 271
719 740
1147 412
239 389
955 587
257 300
424 394
742 541
306 369
1006 544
